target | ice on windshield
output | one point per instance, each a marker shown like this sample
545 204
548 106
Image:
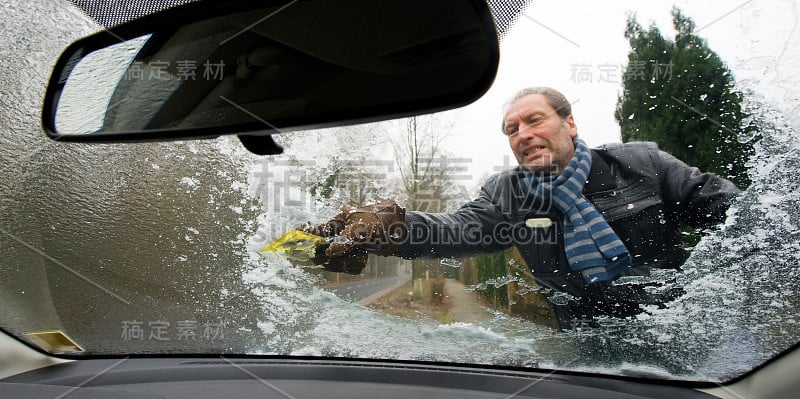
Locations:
736 312
739 305
156 247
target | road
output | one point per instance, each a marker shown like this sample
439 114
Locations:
358 290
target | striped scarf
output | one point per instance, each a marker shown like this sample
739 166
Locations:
592 247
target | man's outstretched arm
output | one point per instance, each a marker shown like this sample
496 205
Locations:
386 229
695 198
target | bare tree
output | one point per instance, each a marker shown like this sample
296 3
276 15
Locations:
429 182
428 175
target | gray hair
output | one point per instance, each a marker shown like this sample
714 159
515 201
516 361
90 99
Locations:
553 97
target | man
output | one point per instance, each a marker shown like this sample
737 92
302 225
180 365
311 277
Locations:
581 218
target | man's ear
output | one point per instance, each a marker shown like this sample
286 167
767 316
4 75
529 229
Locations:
573 130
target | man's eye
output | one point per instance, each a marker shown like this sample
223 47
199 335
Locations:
511 130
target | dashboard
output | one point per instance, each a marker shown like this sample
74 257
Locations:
219 377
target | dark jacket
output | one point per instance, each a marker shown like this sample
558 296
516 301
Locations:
644 194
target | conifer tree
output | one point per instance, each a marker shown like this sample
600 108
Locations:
681 95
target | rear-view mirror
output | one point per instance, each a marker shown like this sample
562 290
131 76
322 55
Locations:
261 67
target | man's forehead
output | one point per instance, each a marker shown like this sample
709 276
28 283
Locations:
530 104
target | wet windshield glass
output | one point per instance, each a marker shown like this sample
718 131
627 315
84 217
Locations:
158 247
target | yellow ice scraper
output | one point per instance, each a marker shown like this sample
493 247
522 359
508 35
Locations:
296 244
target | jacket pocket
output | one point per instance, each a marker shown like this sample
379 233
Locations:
544 251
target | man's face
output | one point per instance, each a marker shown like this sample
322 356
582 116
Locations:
540 139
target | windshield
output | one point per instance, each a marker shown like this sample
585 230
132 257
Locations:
159 248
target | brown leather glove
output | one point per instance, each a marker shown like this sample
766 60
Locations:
377 228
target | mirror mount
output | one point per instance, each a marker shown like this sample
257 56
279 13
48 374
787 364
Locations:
260 144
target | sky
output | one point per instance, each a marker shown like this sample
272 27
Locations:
578 48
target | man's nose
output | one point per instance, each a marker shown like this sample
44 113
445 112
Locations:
526 131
